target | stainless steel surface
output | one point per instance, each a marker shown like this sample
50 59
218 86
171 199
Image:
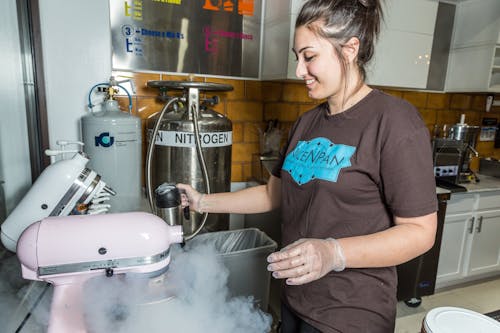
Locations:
448 155
168 204
465 133
452 154
489 167
185 85
149 154
194 108
172 216
175 158
101 264
203 37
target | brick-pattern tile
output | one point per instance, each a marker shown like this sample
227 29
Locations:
472 118
147 106
244 111
295 92
251 132
238 132
236 172
418 99
486 148
238 92
140 81
272 91
460 102
447 117
438 101
242 152
395 93
247 171
429 116
284 112
478 103
253 90
307 107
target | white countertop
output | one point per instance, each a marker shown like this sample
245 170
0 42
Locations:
486 183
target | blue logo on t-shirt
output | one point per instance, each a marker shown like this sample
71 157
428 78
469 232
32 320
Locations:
317 159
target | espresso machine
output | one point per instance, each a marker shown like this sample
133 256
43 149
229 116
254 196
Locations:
452 153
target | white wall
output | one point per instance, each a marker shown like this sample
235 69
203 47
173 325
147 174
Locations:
76 42
14 153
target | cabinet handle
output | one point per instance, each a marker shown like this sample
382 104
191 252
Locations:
471 226
480 224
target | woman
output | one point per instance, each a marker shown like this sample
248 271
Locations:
354 182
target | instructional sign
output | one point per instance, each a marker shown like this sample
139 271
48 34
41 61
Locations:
213 37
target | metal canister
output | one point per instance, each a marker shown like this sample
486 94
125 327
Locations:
467 134
175 158
168 203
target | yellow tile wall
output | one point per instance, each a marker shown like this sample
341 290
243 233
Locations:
252 104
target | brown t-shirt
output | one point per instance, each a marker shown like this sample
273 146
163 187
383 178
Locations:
346 175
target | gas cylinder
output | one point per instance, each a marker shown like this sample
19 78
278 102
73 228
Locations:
113 142
175 158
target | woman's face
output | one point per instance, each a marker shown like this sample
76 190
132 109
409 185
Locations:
317 64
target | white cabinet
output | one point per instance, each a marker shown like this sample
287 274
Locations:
470 246
485 243
402 53
475 49
278 60
451 256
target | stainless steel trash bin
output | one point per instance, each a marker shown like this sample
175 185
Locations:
244 254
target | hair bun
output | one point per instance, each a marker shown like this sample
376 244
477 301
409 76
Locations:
367 3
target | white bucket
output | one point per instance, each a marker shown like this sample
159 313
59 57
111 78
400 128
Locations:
458 320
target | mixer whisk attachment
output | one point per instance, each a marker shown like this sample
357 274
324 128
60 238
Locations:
98 204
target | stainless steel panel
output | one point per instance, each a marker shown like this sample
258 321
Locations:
212 37
179 163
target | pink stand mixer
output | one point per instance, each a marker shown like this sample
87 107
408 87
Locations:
67 251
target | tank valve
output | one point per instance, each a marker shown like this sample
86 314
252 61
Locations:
212 101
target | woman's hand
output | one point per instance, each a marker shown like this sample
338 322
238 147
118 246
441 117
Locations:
190 197
306 260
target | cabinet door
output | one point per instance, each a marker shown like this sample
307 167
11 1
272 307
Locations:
451 257
402 53
485 245
476 23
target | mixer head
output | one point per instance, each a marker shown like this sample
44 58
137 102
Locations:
63 188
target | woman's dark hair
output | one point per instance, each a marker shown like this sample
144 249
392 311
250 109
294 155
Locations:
341 20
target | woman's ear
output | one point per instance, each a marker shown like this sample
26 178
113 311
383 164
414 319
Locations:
350 49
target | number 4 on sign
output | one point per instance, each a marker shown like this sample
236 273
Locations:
245 7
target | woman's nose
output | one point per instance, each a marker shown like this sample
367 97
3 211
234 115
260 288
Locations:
300 70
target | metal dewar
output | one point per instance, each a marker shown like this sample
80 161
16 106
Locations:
185 123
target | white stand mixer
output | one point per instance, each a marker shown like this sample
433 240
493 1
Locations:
64 187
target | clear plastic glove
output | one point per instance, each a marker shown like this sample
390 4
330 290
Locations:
190 197
306 260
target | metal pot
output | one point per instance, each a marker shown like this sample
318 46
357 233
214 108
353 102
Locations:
465 133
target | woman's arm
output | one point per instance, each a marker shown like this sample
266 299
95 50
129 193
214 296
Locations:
307 260
257 199
409 238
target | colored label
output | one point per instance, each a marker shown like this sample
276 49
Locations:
187 139
317 159
104 140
